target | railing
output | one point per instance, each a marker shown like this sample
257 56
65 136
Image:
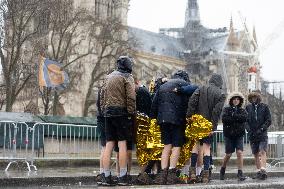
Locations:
30 142
15 142
65 141
275 145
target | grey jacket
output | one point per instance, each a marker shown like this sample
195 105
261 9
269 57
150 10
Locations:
208 101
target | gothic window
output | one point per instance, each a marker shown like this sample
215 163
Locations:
249 77
282 119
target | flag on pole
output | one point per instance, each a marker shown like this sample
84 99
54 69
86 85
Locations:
51 75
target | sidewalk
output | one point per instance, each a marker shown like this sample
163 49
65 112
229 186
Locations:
84 177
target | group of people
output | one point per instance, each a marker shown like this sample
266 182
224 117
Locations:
174 99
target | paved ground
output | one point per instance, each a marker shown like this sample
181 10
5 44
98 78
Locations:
83 177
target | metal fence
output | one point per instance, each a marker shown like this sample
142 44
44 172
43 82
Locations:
14 140
29 142
275 145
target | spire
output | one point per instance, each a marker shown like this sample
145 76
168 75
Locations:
254 34
231 23
233 41
192 12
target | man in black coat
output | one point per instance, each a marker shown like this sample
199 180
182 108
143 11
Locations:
259 119
234 119
207 101
170 110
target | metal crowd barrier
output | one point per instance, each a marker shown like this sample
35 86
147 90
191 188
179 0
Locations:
14 140
30 142
65 141
275 145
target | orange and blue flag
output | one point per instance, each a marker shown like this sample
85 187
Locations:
51 75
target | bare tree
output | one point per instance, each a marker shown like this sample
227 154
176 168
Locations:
16 40
111 41
68 30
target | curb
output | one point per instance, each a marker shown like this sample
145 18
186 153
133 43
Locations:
90 180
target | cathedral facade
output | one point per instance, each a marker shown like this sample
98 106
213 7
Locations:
201 51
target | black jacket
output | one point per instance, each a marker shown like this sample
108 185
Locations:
234 121
168 106
259 118
143 100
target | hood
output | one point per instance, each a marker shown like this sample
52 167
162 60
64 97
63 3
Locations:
236 94
124 64
181 74
254 94
216 79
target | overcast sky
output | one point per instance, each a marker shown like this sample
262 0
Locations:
265 15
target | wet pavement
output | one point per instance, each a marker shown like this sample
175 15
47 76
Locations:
84 177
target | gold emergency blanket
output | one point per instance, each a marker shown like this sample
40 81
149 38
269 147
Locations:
148 141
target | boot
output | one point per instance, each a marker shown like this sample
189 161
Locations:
241 176
161 178
172 177
257 175
144 179
192 175
205 176
222 173
263 175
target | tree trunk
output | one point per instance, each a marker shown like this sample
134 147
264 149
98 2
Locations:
9 103
55 102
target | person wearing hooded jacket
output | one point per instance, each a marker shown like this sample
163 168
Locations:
208 101
234 118
259 119
169 108
119 106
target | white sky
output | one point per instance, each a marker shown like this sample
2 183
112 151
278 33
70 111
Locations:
265 15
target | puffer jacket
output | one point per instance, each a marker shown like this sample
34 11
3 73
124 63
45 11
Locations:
259 118
119 97
208 101
234 118
168 106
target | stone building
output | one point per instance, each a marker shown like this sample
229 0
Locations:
72 101
201 51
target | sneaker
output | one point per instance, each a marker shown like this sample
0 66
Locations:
123 181
222 173
257 175
107 181
99 179
241 176
263 175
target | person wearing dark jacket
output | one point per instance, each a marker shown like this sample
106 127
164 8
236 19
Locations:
207 101
143 100
259 119
170 110
119 106
234 119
